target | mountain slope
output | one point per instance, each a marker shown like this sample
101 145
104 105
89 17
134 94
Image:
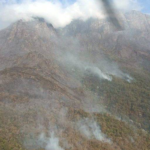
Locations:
64 89
130 46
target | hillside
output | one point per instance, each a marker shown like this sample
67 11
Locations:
84 86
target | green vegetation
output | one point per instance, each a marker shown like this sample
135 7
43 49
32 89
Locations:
9 132
122 135
127 137
126 99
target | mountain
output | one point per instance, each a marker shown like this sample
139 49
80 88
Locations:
130 45
84 86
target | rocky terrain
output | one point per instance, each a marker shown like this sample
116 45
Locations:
84 86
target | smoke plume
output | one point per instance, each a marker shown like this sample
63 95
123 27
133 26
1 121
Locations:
91 129
52 142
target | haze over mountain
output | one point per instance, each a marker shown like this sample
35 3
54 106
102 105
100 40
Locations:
82 86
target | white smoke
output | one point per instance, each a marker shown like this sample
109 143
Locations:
103 70
97 72
90 129
51 143
58 13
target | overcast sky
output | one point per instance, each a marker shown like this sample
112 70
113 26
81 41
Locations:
61 12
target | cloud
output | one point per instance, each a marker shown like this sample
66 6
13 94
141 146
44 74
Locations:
55 12
127 5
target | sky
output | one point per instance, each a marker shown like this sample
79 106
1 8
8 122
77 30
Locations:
62 12
146 5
